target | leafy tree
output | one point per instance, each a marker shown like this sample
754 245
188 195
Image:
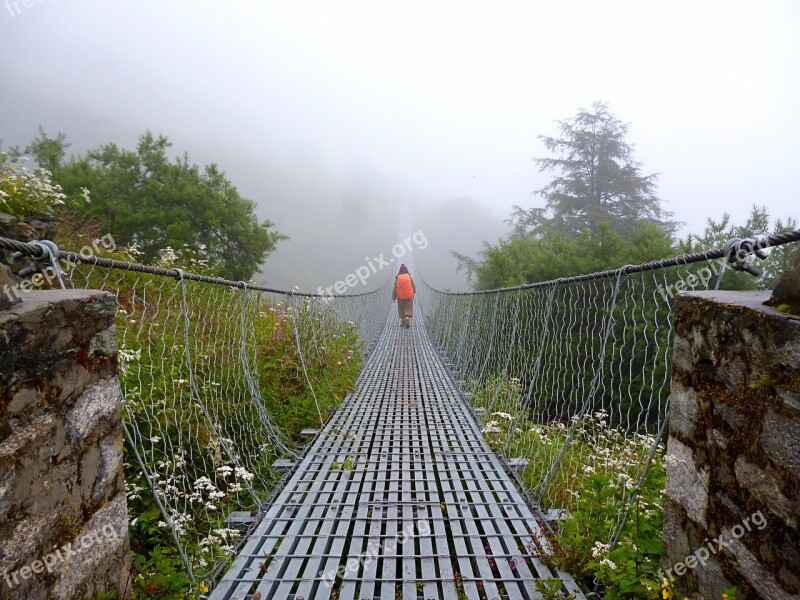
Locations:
48 152
142 197
596 180
600 212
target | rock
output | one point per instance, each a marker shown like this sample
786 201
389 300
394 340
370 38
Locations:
762 580
675 533
683 410
90 567
95 410
781 441
765 487
786 295
9 295
13 228
42 225
686 485
711 581
736 476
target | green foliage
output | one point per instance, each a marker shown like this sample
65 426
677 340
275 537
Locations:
519 260
48 152
597 477
550 589
347 465
142 197
157 572
331 368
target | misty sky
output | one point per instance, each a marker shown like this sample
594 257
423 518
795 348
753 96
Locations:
354 124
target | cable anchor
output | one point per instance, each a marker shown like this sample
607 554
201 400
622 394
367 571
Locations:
738 250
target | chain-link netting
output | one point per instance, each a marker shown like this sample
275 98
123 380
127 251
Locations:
571 377
217 382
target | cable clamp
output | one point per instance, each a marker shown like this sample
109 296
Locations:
738 250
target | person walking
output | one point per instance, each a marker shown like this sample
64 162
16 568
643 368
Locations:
403 291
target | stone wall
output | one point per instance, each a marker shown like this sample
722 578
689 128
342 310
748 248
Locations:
63 514
733 457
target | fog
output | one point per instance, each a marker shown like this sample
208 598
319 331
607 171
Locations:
354 125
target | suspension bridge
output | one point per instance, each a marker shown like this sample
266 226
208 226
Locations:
441 475
399 497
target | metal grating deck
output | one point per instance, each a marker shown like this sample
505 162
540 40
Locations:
424 512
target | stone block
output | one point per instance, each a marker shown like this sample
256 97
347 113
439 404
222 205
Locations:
756 574
99 557
9 296
675 534
109 480
69 379
96 410
48 492
715 438
780 438
687 485
733 419
711 581
684 404
765 487
31 436
23 402
22 541
7 481
104 343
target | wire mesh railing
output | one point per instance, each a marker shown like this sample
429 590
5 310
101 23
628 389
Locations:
571 377
217 377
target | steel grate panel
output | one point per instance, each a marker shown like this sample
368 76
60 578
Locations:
427 511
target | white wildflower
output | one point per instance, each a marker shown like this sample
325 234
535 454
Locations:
502 415
600 549
242 473
608 563
491 427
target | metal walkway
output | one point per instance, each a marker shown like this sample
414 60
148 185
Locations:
399 497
